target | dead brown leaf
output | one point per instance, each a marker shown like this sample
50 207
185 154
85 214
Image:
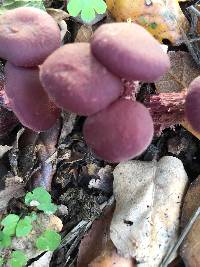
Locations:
58 14
47 157
25 153
191 245
183 70
191 201
187 126
84 34
13 189
148 198
110 258
68 121
8 121
95 240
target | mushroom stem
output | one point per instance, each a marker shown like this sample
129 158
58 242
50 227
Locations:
131 89
166 109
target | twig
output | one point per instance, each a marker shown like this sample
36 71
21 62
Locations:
196 39
74 233
75 244
186 230
194 10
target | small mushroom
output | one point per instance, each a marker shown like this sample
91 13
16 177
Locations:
77 82
120 132
27 36
27 98
129 51
192 104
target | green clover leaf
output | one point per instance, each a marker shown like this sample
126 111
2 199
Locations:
18 259
5 240
49 240
10 223
48 208
33 216
41 199
38 196
75 7
24 226
99 6
86 8
1 261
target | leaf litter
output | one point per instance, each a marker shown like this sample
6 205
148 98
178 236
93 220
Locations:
82 183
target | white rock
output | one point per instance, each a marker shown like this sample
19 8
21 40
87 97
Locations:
148 200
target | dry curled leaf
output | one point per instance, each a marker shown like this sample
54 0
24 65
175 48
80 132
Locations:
187 126
148 197
13 189
58 14
4 150
110 258
26 153
68 122
191 245
95 240
84 34
8 120
183 70
164 19
196 20
47 157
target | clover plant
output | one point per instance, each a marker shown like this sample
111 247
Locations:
86 8
18 226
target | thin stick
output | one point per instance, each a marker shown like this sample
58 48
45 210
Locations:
194 10
186 230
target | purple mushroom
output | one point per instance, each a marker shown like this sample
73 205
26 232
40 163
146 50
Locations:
77 82
192 104
129 51
27 98
27 36
120 132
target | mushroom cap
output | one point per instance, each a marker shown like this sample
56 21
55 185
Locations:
192 104
120 132
27 98
129 51
27 36
77 82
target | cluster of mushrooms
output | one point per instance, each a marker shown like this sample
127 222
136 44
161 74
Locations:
43 77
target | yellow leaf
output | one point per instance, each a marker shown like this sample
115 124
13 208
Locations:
163 18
